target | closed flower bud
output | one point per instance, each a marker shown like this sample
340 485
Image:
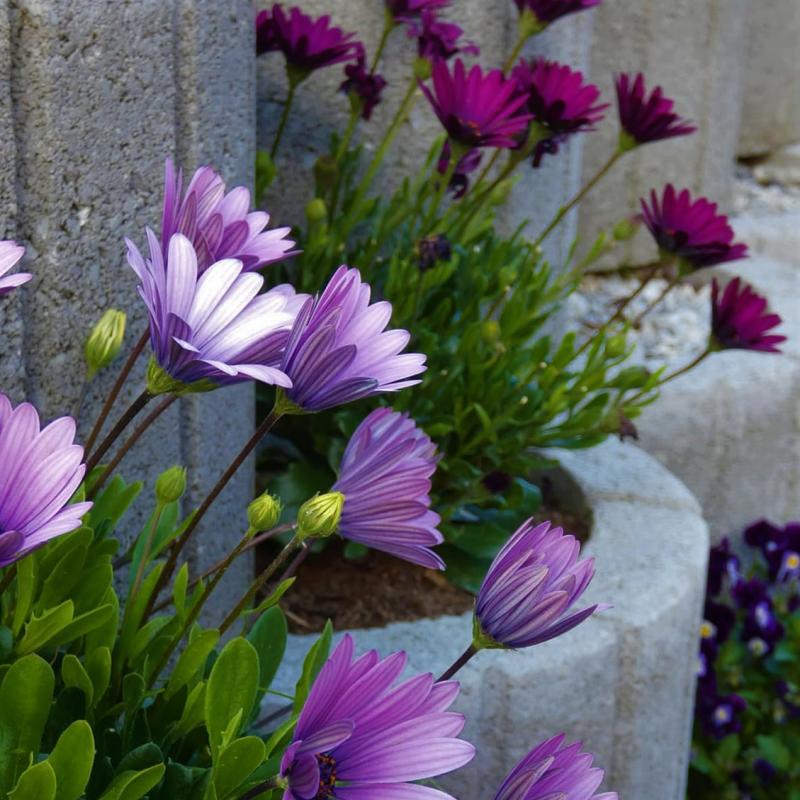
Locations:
615 346
490 330
171 485
631 378
500 193
316 211
625 229
326 172
105 341
264 512
422 69
320 515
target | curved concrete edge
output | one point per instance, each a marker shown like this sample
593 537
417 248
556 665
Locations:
623 682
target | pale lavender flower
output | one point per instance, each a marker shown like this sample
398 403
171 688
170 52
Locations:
532 583
361 735
385 477
10 254
42 469
213 327
219 225
339 350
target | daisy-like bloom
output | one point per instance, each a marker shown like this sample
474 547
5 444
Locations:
10 254
362 86
42 469
212 329
467 164
405 10
560 102
554 771
690 230
339 350
385 477
438 40
219 225
546 11
477 109
362 735
532 583
307 43
740 319
646 119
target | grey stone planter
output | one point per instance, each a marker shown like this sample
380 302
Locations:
623 682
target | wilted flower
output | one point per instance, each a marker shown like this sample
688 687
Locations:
433 249
468 163
10 254
691 231
42 469
546 11
339 352
404 10
219 225
560 102
554 771
213 327
646 119
363 86
362 735
437 39
385 477
740 319
477 109
533 581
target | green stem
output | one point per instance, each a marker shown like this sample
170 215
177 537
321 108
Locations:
510 166
148 546
511 60
8 578
127 417
388 27
458 663
287 107
340 152
671 377
455 156
564 210
667 289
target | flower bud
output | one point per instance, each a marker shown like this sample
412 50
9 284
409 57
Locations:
501 193
326 173
422 69
615 346
490 330
105 341
320 515
264 512
316 211
631 378
171 485
625 229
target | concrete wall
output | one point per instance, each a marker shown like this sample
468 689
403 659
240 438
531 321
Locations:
93 97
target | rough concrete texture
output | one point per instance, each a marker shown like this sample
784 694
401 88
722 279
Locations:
730 428
776 236
99 95
623 682
321 109
693 50
771 98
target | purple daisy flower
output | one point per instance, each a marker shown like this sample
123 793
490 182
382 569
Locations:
339 350
646 119
547 11
363 86
554 771
404 10
533 581
740 319
265 32
219 225
215 326
691 231
362 735
477 109
559 101
42 469
467 164
10 254
385 477
307 43
438 40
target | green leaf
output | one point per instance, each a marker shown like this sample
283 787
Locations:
273 599
72 759
98 666
775 752
314 661
59 582
25 697
36 783
6 642
140 758
41 630
192 661
75 676
179 590
231 689
27 581
134 785
82 625
236 763
268 636
112 503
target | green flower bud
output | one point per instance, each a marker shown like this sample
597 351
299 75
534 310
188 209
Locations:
625 229
105 341
615 346
631 378
316 211
320 515
326 173
501 192
264 512
626 142
490 330
171 485
422 69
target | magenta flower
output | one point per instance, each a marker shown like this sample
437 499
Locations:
547 11
691 231
339 352
740 319
42 469
10 254
560 102
405 10
219 225
554 771
646 119
385 477
361 735
467 164
533 581
477 109
363 86
307 43
438 40
213 327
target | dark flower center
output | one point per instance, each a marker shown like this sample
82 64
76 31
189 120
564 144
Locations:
327 776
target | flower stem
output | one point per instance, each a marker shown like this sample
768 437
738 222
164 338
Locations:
115 390
261 789
564 210
463 659
148 546
340 152
127 417
287 107
667 289
678 372
388 27
521 39
8 578
455 155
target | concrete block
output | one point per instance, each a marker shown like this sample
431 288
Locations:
692 49
771 97
776 236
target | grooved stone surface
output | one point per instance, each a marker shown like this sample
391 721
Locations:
94 96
